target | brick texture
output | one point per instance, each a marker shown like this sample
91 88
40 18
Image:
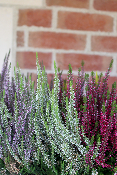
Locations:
116 64
27 60
50 77
92 62
106 5
81 21
68 31
104 43
69 3
34 79
110 81
57 40
65 77
20 39
31 17
50 80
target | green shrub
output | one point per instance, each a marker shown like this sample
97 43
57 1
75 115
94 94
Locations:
32 130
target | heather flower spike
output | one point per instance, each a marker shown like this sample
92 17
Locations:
96 79
82 63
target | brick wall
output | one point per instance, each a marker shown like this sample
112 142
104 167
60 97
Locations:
68 31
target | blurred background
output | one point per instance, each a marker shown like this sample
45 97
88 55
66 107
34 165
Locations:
67 31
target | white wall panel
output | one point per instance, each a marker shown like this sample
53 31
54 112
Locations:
6 31
22 2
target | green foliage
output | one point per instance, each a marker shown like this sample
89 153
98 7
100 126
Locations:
2 165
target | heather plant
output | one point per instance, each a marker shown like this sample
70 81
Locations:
17 103
97 114
57 130
18 118
31 126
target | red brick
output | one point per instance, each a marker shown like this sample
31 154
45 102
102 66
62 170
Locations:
104 43
57 40
27 60
106 5
81 21
64 76
69 3
116 64
20 39
34 78
50 78
110 81
92 62
31 17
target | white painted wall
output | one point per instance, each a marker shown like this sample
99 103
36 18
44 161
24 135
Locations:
7 26
6 29
22 2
